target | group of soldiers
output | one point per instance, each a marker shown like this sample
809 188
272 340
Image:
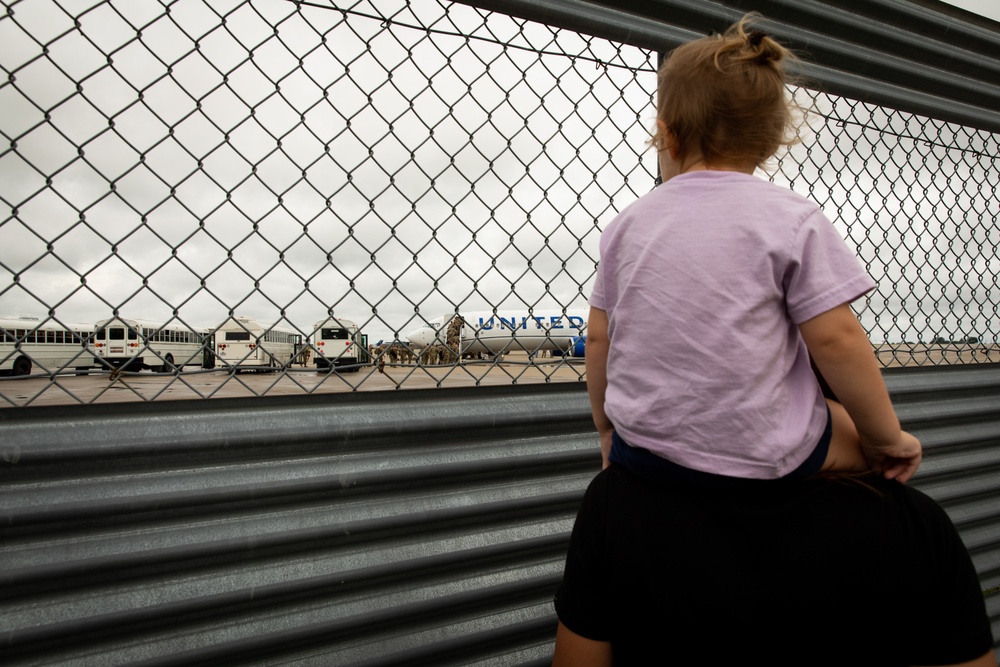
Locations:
432 355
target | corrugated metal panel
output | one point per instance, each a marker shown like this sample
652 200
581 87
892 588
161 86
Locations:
926 58
419 527
389 528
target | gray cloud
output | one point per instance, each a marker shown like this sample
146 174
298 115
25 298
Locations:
289 159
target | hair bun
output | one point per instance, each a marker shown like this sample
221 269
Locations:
756 37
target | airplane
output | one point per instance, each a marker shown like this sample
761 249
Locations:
508 331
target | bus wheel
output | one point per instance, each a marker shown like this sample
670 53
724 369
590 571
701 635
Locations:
22 366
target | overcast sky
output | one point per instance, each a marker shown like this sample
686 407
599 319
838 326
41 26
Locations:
354 186
326 172
988 8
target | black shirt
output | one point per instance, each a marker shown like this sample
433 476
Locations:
775 572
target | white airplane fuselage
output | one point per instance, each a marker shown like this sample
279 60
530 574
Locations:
507 331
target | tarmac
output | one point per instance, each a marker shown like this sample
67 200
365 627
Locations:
41 389
102 386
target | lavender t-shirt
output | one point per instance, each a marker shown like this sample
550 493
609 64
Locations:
705 281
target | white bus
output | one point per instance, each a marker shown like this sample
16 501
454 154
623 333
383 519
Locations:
136 344
26 342
339 343
242 342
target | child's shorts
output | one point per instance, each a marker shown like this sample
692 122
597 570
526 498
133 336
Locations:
647 465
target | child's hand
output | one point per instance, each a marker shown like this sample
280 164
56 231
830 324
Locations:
605 447
899 461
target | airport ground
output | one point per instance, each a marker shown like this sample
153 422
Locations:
516 368
104 387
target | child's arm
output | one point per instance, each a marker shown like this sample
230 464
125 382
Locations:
598 343
841 350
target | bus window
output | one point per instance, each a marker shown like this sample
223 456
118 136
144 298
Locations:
237 335
116 334
334 334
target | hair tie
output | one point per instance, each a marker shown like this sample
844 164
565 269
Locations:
755 37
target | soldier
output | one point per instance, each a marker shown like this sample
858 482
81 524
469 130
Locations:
453 339
379 354
400 352
405 353
428 356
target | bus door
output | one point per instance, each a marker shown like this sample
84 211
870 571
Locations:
208 351
362 345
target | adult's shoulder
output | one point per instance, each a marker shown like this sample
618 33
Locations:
891 505
898 493
918 502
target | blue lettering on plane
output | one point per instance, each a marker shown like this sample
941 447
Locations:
555 322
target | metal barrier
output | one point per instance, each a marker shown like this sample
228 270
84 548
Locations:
397 162
400 163
343 529
423 527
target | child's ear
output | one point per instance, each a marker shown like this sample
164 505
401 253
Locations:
661 135
669 140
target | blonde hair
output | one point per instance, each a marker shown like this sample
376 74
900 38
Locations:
724 97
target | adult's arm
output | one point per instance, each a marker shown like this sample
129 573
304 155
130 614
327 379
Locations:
841 350
988 659
572 650
598 344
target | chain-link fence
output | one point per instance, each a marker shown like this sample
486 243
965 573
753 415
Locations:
389 194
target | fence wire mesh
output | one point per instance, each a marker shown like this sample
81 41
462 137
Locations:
319 188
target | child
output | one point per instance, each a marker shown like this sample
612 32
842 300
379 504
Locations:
714 290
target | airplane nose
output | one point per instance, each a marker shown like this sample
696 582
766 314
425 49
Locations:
421 337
